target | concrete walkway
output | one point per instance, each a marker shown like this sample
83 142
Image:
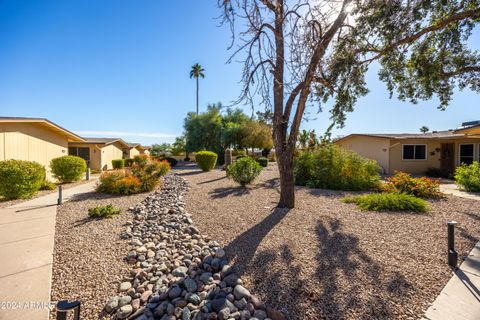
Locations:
460 299
452 188
26 249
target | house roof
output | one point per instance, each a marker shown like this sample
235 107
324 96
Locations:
106 141
72 137
134 145
446 134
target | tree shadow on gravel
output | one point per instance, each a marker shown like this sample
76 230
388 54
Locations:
243 248
341 282
224 192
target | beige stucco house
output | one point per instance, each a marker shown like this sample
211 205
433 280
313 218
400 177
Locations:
99 152
135 149
416 153
34 139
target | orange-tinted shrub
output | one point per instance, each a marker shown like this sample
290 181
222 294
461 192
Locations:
422 187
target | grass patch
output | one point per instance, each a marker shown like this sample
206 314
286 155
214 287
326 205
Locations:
389 202
107 211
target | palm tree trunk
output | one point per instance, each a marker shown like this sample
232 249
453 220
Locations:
197 96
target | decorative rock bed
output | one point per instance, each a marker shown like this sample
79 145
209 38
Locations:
176 272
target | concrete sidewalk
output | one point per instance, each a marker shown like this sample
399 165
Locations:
452 188
460 299
27 233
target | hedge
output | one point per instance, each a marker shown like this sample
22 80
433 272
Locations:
20 179
68 168
206 160
118 164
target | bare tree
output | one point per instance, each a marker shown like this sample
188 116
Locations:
305 51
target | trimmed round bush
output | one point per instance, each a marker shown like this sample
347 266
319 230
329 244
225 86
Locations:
468 176
263 161
20 179
118 164
331 167
206 160
68 168
244 171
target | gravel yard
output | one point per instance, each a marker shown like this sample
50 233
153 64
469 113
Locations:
326 259
89 254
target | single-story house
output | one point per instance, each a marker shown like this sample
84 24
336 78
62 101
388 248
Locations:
417 152
34 139
99 152
135 149
146 150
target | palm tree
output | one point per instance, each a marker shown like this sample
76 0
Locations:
197 71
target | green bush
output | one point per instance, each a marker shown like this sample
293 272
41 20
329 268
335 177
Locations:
468 176
20 179
129 162
48 185
389 202
206 160
68 168
240 157
263 161
332 167
118 164
244 171
107 211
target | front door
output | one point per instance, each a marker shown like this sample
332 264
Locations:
447 159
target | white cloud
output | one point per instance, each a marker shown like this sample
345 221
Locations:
113 134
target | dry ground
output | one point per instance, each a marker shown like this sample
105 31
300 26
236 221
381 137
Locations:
326 259
88 256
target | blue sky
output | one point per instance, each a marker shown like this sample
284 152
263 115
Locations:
120 68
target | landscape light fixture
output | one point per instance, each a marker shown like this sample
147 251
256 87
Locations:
452 254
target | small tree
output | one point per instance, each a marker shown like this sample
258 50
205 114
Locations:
424 129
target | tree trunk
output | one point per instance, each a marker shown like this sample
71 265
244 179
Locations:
287 184
197 96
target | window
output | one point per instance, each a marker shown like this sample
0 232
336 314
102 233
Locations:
414 152
466 153
81 152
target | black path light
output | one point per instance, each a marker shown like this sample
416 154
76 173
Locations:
60 195
452 254
63 307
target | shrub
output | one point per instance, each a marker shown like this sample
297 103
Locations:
240 157
389 202
238 152
422 187
244 171
119 182
172 161
107 211
263 161
128 162
118 164
332 167
48 185
20 179
68 168
468 176
149 173
206 160
141 159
